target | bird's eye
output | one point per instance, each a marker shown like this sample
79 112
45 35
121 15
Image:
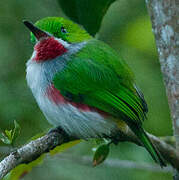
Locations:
63 30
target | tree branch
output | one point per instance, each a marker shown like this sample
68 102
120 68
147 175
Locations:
34 149
165 27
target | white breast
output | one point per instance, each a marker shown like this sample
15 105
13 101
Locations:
72 120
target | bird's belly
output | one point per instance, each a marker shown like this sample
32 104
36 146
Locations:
75 121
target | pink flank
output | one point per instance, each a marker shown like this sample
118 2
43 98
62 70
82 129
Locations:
48 49
55 96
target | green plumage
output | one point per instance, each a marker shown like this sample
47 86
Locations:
54 24
97 73
98 77
104 81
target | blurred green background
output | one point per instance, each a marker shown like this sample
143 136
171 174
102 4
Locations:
126 27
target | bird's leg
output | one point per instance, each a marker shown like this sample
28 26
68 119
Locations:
60 136
62 133
117 137
58 130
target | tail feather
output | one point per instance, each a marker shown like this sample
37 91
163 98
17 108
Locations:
141 134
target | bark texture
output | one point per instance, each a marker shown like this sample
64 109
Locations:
165 24
32 151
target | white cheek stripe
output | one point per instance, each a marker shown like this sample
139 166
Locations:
64 43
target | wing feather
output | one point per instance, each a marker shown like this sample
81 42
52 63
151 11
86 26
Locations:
100 87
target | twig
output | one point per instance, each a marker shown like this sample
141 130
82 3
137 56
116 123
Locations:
34 149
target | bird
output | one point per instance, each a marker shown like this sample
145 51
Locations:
82 85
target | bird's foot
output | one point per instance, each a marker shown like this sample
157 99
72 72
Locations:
117 137
58 130
60 135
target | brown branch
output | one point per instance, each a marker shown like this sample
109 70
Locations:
165 27
34 149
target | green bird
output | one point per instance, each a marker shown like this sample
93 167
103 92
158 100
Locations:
82 85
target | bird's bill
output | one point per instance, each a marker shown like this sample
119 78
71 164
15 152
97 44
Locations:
38 33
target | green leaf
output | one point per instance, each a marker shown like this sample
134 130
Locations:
101 154
16 131
9 136
88 13
4 139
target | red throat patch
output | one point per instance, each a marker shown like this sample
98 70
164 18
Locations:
48 49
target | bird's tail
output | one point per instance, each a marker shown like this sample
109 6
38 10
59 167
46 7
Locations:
141 134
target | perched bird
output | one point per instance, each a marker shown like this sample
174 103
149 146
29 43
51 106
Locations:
82 85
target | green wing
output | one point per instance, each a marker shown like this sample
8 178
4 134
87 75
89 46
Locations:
97 77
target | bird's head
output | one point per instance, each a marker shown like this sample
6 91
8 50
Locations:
53 36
